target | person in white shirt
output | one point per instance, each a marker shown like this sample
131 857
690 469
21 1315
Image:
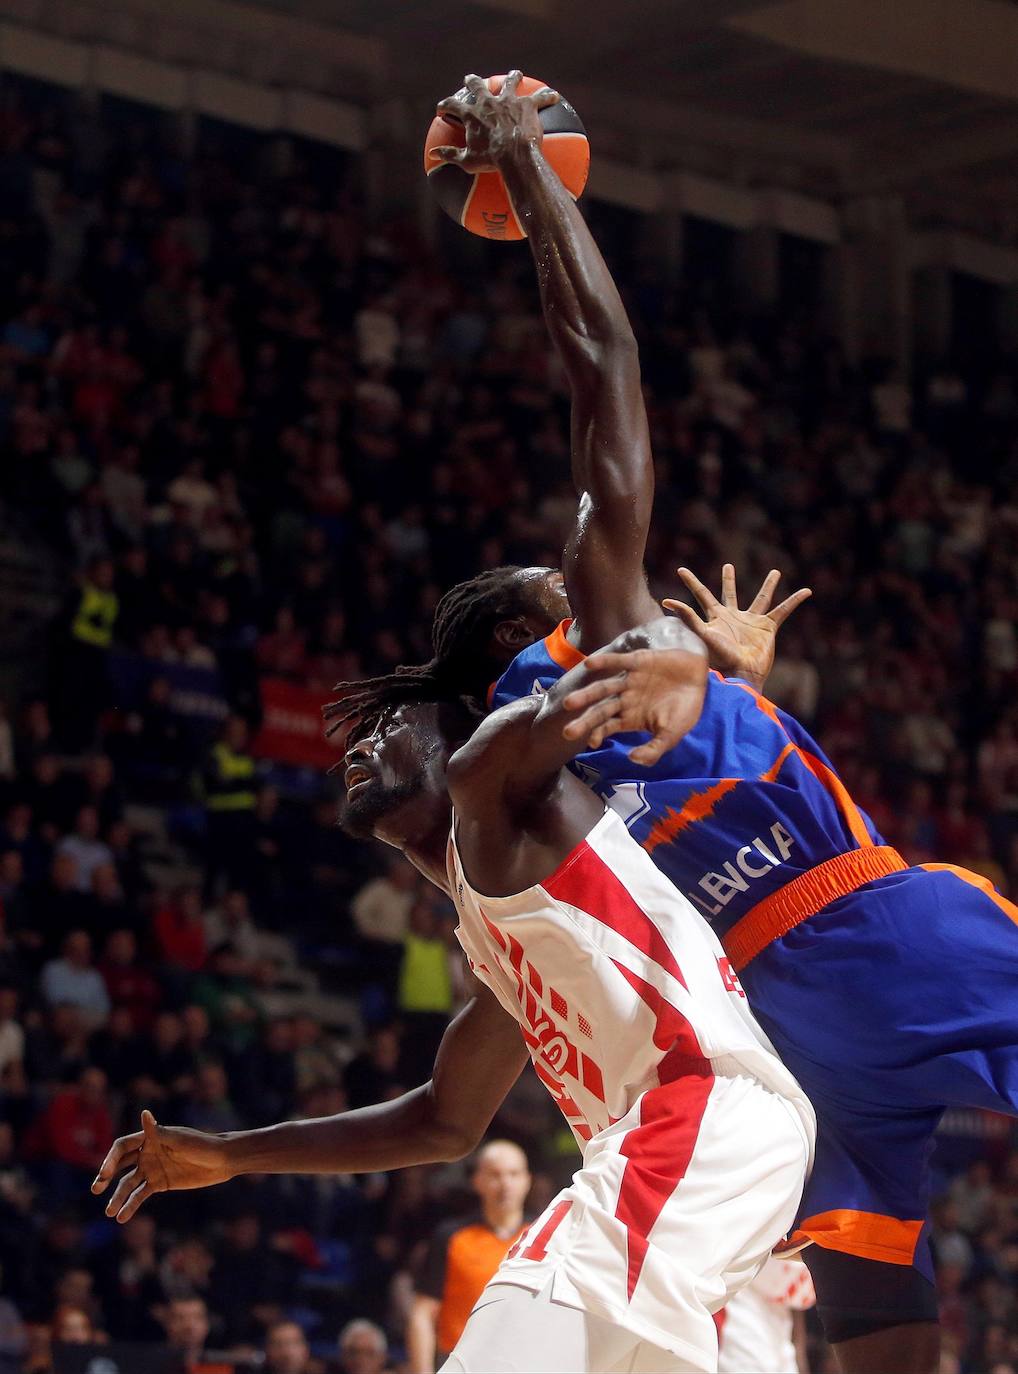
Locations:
85 847
763 1327
72 980
381 908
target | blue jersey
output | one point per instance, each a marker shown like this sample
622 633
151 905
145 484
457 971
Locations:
889 991
741 806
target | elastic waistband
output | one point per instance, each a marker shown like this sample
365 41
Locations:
804 896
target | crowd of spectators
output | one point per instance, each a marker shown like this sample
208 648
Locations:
262 435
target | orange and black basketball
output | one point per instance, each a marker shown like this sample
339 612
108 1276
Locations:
479 200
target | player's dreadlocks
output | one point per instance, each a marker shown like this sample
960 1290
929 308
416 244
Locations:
462 666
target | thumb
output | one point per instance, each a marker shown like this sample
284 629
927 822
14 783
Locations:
686 614
150 1126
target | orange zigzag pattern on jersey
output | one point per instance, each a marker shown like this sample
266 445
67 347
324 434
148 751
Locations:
696 808
703 804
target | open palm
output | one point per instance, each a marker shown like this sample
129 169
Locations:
741 643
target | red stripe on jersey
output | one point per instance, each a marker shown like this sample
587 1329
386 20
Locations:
657 1154
515 954
593 1079
586 882
535 979
672 1031
493 930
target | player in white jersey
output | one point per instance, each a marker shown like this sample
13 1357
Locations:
761 1330
696 1140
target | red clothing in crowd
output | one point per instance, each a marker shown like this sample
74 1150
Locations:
72 1130
181 940
133 988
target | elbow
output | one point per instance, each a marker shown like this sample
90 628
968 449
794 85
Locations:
608 348
446 1137
615 351
620 346
453 1143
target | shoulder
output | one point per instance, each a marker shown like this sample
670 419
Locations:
479 764
535 667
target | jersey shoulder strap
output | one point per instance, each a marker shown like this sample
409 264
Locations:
536 667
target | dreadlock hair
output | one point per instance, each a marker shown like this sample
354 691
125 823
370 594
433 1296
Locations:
463 664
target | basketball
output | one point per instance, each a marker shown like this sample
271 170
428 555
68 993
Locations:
479 201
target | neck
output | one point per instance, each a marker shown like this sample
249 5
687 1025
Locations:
503 1220
427 854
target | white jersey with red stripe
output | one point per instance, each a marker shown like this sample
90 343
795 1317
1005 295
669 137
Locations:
756 1327
696 1139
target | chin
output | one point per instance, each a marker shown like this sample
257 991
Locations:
358 818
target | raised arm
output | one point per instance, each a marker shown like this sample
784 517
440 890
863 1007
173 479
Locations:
612 467
480 1058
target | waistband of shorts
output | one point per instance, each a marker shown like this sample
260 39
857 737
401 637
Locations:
804 896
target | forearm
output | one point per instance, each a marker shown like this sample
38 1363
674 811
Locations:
544 749
390 1135
582 306
612 467
479 1059
663 632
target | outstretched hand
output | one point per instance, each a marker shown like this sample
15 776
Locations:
496 126
659 691
741 643
159 1159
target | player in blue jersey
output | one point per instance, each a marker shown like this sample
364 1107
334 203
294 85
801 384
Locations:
889 990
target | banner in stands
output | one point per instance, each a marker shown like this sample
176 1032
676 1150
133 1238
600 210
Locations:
292 727
196 694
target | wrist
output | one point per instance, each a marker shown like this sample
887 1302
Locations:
519 156
755 680
237 1153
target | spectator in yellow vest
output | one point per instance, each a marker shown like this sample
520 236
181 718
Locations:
229 787
425 994
82 684
98 606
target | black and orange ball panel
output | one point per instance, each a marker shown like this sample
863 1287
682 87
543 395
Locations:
479 201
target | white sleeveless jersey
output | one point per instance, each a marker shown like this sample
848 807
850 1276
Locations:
696 1139
617 983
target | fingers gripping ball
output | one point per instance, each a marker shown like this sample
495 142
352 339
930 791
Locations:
479 200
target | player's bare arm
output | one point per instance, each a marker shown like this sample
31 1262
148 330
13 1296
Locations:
480 1058
612 466
741 643
513 798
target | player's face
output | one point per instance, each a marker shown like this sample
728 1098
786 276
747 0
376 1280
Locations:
546 591
398 764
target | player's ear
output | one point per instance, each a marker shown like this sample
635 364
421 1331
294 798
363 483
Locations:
514 634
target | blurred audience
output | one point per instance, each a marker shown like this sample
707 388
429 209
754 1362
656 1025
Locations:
260 435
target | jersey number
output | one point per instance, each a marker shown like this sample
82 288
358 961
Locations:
627 799
538 1247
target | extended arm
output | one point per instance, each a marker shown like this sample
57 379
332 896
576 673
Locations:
612 466
480 1058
